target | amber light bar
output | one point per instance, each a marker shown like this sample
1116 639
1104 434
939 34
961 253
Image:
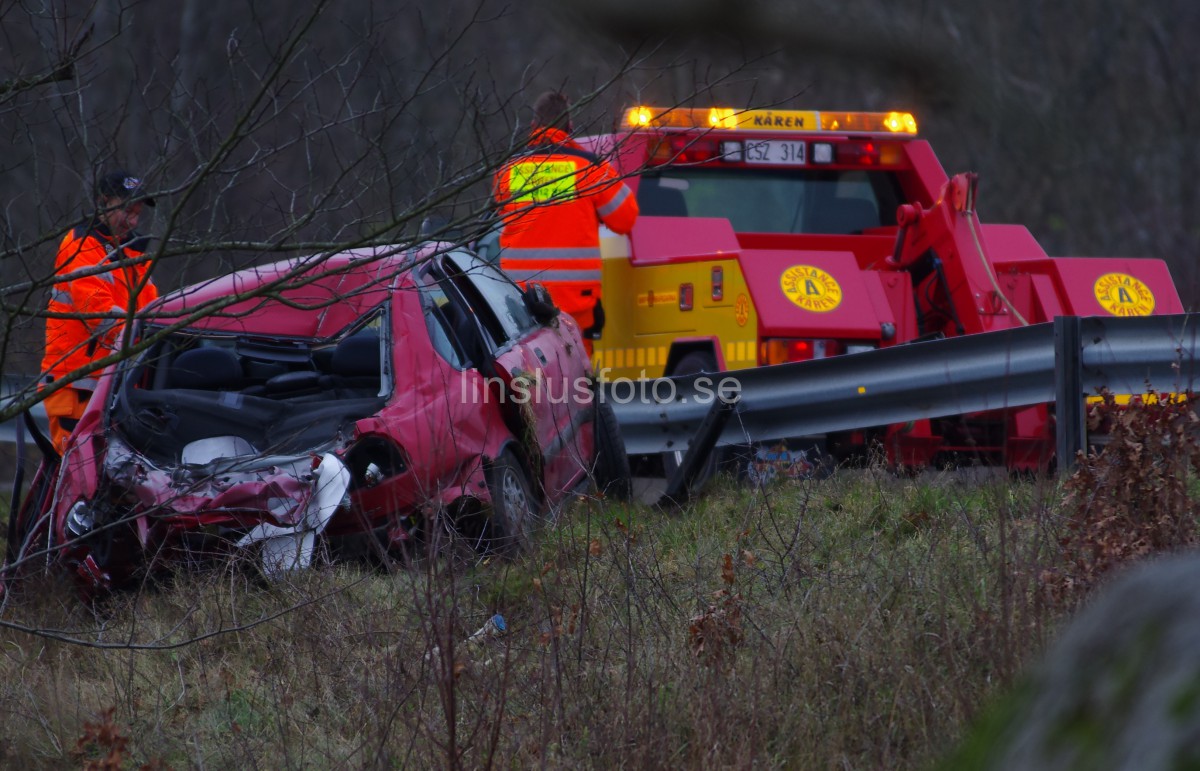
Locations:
771 120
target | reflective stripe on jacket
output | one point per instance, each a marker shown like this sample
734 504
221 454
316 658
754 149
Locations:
72 343
553 197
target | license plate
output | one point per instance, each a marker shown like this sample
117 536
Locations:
778 152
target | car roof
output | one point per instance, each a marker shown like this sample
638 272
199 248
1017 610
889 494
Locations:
314 297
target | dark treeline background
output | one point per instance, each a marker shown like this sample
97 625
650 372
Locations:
269 126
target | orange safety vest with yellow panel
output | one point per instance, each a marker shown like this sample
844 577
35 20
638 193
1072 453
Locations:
553 197
73 343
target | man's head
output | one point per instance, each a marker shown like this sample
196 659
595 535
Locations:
552 110
119 200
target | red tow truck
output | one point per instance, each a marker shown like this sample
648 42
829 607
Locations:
772 236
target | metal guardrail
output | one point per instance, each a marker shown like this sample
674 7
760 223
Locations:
989 371
995 370
1124 355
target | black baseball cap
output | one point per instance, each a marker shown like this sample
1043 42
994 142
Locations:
121 184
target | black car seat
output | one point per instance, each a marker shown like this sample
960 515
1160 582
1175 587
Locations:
208 369
356 361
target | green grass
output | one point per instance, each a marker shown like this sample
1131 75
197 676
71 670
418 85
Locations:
859 621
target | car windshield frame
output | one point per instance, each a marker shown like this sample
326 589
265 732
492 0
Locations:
289 375
274 347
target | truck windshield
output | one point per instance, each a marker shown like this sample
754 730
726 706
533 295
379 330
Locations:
776 200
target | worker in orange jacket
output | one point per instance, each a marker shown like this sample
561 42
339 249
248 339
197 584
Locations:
552 198
93 280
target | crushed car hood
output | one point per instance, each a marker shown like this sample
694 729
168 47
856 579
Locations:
247 489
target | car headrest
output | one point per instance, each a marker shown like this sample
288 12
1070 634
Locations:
210 369
357 355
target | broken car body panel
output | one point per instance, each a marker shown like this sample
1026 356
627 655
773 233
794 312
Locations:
330 400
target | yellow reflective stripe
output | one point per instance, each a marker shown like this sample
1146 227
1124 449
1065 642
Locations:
541 181
617 200
628 358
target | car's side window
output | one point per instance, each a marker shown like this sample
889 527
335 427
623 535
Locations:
502 297
447 326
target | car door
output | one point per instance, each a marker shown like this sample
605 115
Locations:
547 383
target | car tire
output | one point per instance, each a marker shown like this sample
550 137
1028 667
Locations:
516 511
612 475
691 364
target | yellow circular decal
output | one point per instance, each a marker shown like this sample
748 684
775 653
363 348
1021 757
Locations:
741 310
1123 295
811 288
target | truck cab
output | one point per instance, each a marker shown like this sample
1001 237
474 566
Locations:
772 236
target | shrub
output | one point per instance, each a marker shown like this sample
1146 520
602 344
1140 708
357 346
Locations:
1129 498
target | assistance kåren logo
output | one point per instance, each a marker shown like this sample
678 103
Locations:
811 288
1123 295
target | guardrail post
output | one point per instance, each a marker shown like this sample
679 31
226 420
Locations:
1068 390
700 448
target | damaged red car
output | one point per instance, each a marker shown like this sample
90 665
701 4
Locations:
333 405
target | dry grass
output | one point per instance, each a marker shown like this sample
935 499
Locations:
854 622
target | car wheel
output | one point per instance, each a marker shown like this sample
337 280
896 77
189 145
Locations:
691 364
515 509
612 475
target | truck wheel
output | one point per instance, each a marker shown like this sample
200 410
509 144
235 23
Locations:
691 364
515 510
612 475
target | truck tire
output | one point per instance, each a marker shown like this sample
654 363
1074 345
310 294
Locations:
691 364
611 473
516 511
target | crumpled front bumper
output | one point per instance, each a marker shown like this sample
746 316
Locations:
279 503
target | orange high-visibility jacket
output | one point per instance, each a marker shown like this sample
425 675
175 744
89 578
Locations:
72 343
553 197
